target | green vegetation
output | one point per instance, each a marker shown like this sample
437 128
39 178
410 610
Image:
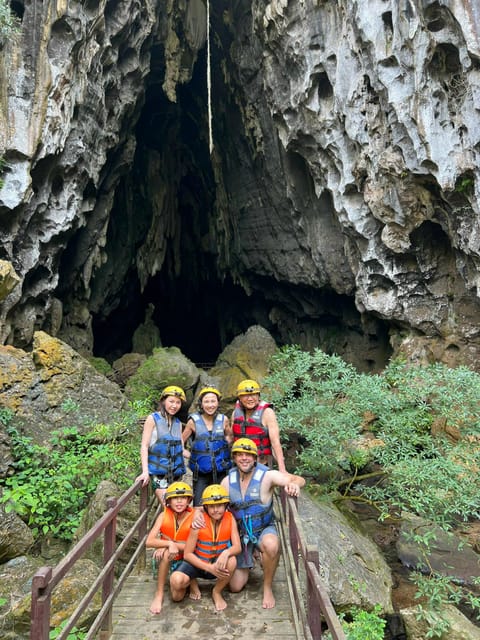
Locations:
413 426
403 441
74 634
365 625
9 25
52 485
361 625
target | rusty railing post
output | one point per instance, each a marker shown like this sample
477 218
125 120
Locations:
142 529
107 586
313 613
40 608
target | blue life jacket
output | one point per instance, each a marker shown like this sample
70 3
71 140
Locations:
210 452
165 454
251 515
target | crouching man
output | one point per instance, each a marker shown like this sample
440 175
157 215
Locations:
250 486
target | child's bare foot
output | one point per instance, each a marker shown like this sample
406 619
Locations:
268 599
194 591
156 606
218 601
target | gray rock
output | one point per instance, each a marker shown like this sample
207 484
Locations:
246 357
445 553
351 565
16 539
54 387
459 627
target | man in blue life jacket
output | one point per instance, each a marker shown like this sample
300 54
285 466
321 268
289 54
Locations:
255 419
250 486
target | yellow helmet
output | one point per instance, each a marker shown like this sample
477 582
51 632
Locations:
172 390
178 490
206 390
247 387
215 494
245 445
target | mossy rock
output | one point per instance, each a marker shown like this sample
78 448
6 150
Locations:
166 366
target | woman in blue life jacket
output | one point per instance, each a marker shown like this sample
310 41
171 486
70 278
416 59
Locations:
161 450
211 436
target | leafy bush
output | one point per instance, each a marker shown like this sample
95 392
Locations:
74 634
362 625
52 485
436 590
9 24
405 440
331 407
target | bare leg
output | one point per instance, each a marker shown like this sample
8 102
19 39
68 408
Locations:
238 580
270 557
163 565
220 584
179 583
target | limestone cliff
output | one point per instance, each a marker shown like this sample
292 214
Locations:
339 206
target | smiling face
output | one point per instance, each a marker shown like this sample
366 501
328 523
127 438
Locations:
249 401
178 504
172 405
210 403
245 461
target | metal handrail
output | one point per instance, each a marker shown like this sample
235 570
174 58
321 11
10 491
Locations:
318 601
47 578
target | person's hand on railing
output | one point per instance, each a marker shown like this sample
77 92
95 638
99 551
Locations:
292 490
144 477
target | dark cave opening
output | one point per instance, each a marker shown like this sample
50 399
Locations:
196 305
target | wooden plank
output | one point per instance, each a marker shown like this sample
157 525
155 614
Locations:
198 620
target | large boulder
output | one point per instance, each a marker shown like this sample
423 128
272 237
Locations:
245 357
15 587
54 387
16 539
95 510
351 565
65 599
166 366
457 626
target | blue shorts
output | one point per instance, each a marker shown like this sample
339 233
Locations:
245 557
193 572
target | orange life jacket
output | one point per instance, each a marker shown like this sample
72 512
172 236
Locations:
171 530
209 546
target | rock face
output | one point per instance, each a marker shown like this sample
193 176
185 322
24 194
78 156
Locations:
46 389
338 206
351 565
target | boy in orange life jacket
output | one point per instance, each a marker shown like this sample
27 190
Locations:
168 536
255 419
210 552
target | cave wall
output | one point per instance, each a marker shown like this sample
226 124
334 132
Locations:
338 207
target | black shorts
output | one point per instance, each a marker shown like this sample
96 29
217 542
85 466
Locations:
193 572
